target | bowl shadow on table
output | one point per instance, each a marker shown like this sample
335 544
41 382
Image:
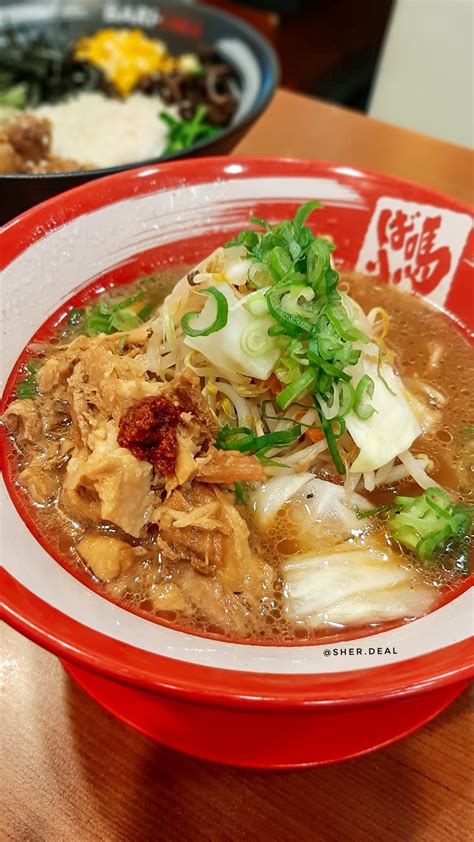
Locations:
190 798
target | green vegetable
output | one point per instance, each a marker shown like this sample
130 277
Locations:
38 67
254 340
185 133
365 387
256 304
242 439
146 311
14 96
430 525
107 317
314 331
27 387
377 510
240 494
328 431
293 324
258 275
346 398
303 384
221 315
302 214
76 316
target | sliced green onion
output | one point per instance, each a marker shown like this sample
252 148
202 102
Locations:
235 438
303 384
439 502
287 370
146 311
97 323
279 262
365 388
304 211
296 301
76 316
240 493
326 366
318 262
242 439
276 330
124 320
293 325
341 323
372 512
26 389
249 239
221 316
257 220
427 546
346 398
324 383
332 444
258 275
255 340
256 304
338 426
328 344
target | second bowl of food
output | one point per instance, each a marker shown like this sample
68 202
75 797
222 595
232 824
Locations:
237 439
93 88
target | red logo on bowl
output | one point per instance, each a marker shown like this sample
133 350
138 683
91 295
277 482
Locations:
182 25
416 246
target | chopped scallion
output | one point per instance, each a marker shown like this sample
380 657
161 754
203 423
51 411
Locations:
220 320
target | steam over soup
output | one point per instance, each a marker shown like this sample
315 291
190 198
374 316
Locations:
263 450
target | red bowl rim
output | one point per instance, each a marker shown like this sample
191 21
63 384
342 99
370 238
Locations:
70 639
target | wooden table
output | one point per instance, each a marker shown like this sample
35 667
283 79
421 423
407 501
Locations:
298 127
70 772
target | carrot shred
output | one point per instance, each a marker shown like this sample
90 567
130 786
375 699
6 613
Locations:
314 435
274 385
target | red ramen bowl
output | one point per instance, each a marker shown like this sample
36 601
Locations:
247 704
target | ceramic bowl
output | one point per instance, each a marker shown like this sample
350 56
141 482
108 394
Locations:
256 705
183 27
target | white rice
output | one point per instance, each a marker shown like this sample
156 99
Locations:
99 131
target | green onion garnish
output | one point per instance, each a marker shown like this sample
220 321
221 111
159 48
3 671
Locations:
430 525
242 439
240 494
365 388
76 316
255 340
107 317
313 329
185 133
258 275
330 436
27 388
220 320
384 507
299 387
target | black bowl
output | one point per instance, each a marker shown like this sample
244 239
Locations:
184 28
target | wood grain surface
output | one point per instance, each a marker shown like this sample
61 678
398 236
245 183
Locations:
298 127
71 773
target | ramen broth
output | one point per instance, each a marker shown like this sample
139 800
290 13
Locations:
429 350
